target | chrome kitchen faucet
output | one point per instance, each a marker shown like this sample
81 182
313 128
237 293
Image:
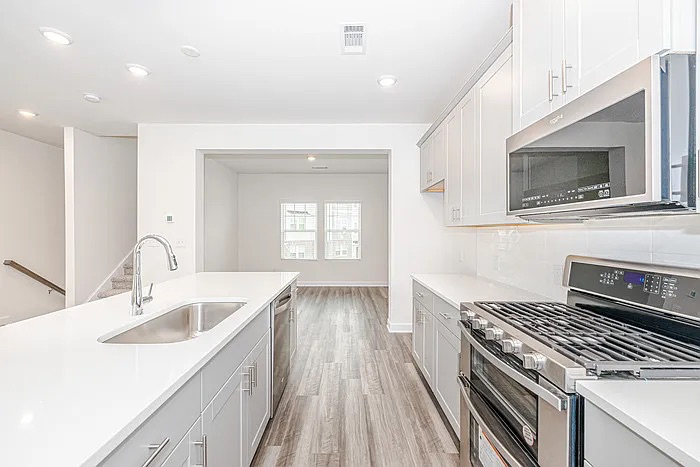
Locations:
137 298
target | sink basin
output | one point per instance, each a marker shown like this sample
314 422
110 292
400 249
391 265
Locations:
180 324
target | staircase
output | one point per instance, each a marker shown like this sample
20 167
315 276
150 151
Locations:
120 283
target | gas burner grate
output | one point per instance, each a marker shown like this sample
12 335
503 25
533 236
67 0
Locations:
600 344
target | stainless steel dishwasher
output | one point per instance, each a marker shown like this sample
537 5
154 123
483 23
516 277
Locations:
282 309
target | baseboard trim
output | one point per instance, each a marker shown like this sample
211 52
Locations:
399 327
342 284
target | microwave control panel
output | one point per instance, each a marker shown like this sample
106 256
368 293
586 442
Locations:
567 195
675 293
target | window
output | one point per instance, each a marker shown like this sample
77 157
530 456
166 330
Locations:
299 224
343 230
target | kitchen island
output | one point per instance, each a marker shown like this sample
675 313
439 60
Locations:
67 399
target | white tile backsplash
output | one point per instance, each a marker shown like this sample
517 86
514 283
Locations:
532 256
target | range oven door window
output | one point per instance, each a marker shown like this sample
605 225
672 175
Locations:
515 405
598 158
491 440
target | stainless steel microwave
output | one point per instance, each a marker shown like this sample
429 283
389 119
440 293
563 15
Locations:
625 148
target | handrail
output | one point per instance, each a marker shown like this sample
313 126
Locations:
33 275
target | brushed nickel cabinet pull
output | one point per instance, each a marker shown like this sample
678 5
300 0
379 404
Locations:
203 444
158 448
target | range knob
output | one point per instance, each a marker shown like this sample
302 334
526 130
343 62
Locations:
479 323
534 361
493 334
511 346
468 315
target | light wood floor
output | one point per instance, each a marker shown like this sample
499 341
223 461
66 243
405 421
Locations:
354 397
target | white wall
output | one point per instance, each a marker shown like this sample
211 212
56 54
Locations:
532 257
220 217
31 207
418 241
259 218
100 176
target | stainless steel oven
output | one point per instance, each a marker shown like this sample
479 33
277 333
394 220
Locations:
627 147
511 416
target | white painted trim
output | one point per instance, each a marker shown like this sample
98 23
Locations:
342 284
101 287
399 327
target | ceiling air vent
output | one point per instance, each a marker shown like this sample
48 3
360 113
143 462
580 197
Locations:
353 39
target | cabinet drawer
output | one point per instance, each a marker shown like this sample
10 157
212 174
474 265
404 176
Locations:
447 315
221 367
171 422
423 295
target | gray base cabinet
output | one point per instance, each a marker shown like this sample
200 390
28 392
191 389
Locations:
221 421
608 443
446 362
190 450
257 401
435 348
417 342
217 418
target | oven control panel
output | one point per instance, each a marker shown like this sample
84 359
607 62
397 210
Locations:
677 293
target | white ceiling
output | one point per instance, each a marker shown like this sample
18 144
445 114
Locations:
263 61
299 164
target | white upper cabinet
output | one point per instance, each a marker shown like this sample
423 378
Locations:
467 212
425 163
560 50
564 48
494 108
536 23
453 178
609 37
433 159
439 154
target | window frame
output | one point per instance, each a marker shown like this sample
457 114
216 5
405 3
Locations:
326 230
283 230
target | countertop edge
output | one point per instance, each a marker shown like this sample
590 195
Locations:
437 292
663 444
507 289
106 449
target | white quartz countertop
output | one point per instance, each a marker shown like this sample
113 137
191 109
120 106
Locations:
68 400
664 413
458 288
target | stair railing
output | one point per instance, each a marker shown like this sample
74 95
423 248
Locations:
29 273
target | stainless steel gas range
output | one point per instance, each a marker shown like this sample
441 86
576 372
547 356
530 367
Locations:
520 361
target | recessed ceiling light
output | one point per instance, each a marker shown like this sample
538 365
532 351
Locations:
387 81
311 158
138 70
26 113
55 36
190 51
95 99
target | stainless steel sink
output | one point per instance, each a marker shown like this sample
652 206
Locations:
180 324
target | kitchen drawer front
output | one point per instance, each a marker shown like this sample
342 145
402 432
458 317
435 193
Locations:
608 443
171 422
447 315
224 364
423 295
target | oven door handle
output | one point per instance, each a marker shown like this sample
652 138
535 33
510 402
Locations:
558 401
464 383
